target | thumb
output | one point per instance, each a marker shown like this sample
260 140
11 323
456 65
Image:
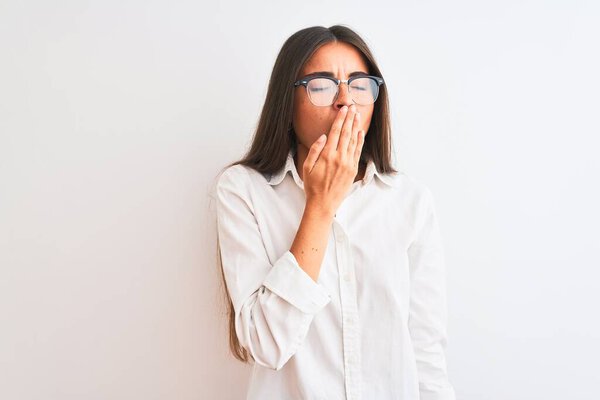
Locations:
313 153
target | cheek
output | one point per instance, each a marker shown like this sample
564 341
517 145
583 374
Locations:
366 123
309 124
302 118
367 119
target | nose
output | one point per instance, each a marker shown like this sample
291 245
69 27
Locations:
343 98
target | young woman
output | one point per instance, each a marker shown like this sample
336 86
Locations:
332 261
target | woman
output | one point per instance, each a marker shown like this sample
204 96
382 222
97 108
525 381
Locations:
334 272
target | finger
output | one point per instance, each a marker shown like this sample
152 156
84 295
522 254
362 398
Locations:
352 143
346 136
313 153
359 146
334 132
346 130
353 136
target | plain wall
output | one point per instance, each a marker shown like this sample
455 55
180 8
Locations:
116 116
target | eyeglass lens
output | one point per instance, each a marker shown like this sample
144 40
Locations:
322 91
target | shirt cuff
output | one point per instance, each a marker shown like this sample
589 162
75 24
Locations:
290 282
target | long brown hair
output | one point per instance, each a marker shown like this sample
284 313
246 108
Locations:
275 136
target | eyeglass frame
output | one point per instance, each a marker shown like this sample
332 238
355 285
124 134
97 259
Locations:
304 82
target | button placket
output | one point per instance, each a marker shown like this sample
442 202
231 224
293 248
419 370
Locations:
350 325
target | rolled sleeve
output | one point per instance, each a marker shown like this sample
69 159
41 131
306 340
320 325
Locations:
294 285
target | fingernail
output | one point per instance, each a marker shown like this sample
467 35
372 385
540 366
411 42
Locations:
345 108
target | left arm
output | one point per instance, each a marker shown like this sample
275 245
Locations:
427 309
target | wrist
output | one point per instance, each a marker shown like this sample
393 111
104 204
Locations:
318 209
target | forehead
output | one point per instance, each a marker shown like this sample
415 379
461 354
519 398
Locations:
337 57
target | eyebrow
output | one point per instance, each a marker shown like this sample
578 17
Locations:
328 73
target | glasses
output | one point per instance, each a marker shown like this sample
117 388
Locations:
323 90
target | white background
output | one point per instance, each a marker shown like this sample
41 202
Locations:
115 117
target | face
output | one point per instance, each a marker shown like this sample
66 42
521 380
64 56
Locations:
312 121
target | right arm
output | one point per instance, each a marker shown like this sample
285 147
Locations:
275 303
311 240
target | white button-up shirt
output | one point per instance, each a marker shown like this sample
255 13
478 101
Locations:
374 324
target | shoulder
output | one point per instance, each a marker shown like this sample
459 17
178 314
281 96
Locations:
408 186
414 198
413 195
236 180
233 174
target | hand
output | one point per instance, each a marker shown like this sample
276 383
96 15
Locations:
332 165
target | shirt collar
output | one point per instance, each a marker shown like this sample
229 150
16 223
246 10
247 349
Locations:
370 172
